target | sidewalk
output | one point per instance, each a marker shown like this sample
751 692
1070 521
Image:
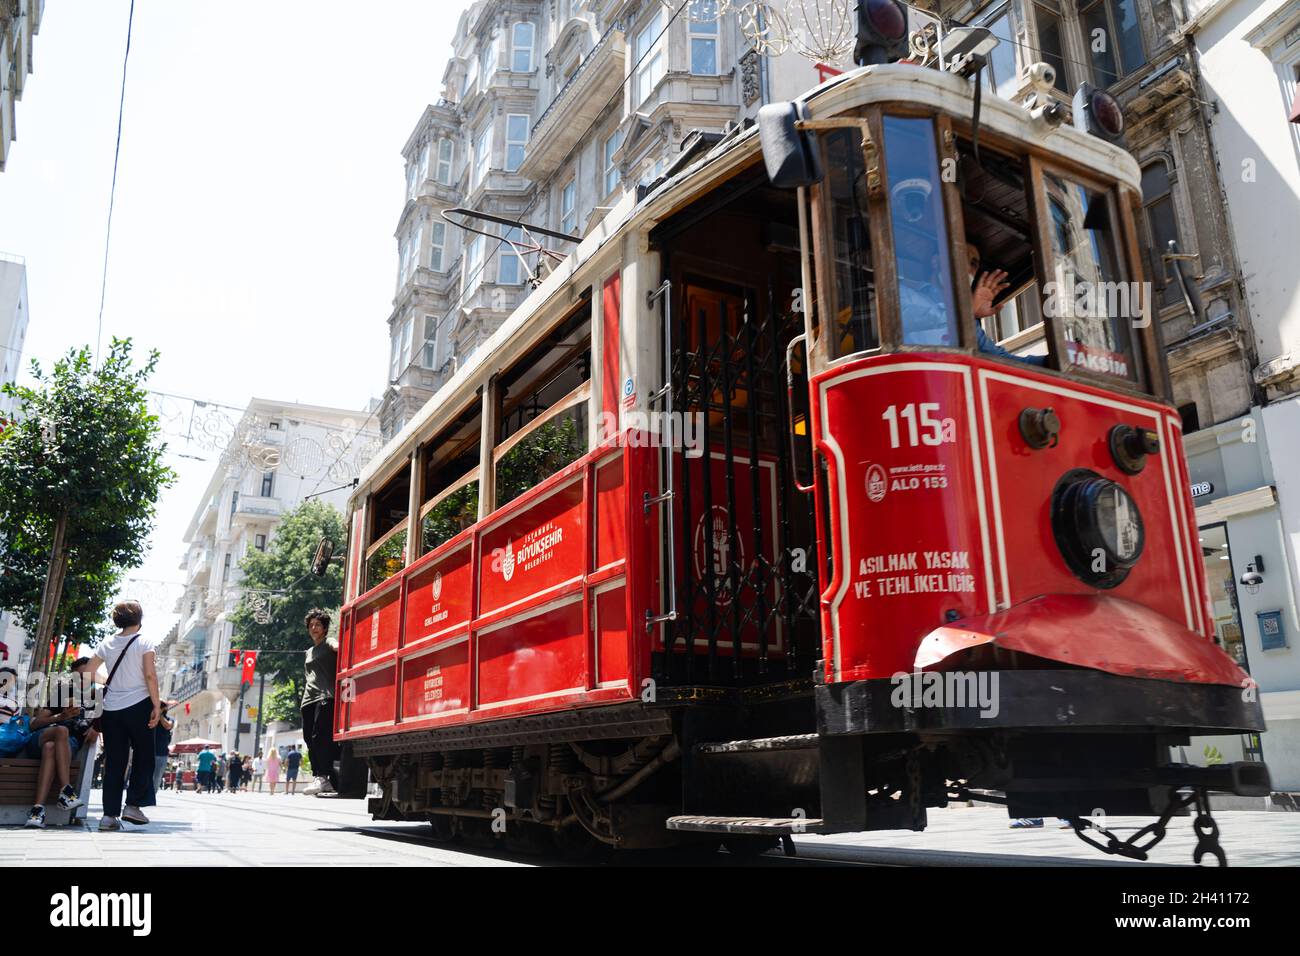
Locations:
256 829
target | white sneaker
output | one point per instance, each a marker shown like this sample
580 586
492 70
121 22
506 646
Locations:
35 818
68 799
133 815
326 788
110 823
315 787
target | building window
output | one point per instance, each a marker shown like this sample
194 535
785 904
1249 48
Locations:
445 148
411 172
473 264
274 425
704 37
1112 37
1000 76
259 542
406 345
430 341
471 67
1047 16
482 154
268 484
395 356
234 501
424 162
489 60
521 52
568 207
611 177
649 56
437 242
516 139
225 567
1162 226
510 267
403 253
413 260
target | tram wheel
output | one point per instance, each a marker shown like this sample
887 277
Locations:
444 828
749 847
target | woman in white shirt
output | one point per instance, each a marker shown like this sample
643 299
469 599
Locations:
132 708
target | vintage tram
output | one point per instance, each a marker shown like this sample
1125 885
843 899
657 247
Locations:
739 527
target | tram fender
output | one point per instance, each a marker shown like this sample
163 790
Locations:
1099 632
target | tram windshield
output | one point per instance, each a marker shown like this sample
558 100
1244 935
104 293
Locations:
1066 269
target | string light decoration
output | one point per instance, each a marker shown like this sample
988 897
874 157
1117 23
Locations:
823 31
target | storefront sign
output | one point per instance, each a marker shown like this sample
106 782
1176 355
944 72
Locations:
1272 636
1202 488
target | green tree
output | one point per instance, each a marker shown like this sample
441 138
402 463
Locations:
279 591
80 474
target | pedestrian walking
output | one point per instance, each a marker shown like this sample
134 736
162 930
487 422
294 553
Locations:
259 771
321 664
273 769
132 708
203 778
162 740
246 772
292 761
234 767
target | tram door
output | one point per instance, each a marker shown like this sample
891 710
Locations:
744 536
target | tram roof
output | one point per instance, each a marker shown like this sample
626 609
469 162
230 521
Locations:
890 83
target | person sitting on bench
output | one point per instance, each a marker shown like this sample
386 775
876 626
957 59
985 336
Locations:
57 735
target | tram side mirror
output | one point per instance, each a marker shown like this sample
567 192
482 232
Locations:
1097 113
789 153
324 551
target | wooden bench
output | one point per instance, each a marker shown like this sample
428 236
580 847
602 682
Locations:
18 783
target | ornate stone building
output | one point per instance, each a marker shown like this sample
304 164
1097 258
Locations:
20 21
549 110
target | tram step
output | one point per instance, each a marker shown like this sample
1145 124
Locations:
754 826
759 745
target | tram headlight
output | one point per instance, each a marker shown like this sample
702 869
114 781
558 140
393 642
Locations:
1097 526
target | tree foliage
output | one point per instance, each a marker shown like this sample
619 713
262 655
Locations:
280 576
545 451
82 445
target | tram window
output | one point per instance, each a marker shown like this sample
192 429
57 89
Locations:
1086 292
926 303
387 552
851 295
450 481
544 397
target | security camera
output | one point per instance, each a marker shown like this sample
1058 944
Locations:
912 198
1042 77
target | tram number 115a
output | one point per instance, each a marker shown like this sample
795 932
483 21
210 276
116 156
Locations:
925 426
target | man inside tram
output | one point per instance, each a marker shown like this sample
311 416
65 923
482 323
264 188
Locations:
924 312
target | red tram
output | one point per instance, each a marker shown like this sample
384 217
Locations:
738 527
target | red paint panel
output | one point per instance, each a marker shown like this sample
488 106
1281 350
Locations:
439 596
376 628
611 306
1025 480
902 441
373 703
437 682
528 659
611 635
611 513
538 548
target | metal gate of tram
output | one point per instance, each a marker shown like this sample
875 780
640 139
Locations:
741 550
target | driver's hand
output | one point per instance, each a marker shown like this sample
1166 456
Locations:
154 716
988 287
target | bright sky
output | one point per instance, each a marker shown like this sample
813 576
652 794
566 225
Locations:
259 186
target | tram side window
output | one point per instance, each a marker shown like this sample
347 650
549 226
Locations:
387 553
926 303
999 239
1087 294
450 482
543 399
851 291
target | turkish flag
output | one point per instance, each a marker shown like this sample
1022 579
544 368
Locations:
187 710
250 664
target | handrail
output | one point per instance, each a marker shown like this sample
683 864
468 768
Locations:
447 492
384 540
582 67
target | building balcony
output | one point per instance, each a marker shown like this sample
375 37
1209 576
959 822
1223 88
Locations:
254 510
199 569
195 682
227 679
575 107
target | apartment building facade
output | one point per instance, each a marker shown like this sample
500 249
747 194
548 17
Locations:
14 317
20 21
549 111
277 457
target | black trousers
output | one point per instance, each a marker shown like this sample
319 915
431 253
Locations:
126 730
318 732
